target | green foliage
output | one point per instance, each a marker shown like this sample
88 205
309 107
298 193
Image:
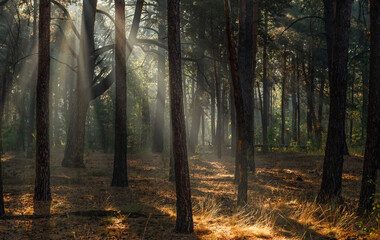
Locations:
10 139
374 226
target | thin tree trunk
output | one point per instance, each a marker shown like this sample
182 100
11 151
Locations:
265 88
145 118
372 152
42 184
3 92
333 162
283 98
159 120
184 221
32 99
294 100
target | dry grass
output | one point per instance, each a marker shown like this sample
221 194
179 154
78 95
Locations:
280 206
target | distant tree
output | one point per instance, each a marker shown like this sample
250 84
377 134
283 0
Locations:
159 120
333 162
3 87
87 89
184 221
120 159
372 151
42 186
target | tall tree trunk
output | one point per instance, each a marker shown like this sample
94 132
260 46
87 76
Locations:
159 120
119 178
283 98
216 93
333 161
372 152
318 130
82 96
3 91
145 118
364 115
42 184
184 221
310 93
32 99
298 104
198 103
242 145
73 156
266 90
245 67
233 123
352 110
294 100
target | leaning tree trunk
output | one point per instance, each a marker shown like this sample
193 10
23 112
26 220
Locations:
184 221
242 145
42 184
119 178
333 162
372 152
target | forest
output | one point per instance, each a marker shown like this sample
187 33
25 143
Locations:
189 119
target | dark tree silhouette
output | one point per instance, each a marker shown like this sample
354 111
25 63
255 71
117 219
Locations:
372 151
42 185
184 221
333 161
242 145
120 159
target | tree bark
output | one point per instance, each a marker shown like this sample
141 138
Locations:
184 221
245 67
42 183
242 145
372 152
120 178
333 161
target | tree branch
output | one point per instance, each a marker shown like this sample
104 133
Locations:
298 20
67 14
107 14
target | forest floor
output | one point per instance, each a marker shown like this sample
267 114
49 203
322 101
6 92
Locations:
280 200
